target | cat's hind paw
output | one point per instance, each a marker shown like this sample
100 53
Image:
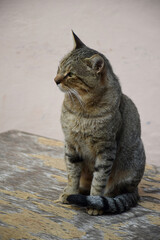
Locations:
94 212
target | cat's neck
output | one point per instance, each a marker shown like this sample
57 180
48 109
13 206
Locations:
93 104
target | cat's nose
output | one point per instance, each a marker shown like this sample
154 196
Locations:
58 79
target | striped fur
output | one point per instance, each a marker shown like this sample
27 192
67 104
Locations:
118 204
104 153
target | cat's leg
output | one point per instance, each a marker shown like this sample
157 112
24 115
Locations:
74 166
102 171
85 180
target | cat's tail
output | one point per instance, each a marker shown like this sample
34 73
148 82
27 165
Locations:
118 204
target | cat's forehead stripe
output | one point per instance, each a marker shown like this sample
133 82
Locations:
65 62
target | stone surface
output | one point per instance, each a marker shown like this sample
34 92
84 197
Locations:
34 37
32 175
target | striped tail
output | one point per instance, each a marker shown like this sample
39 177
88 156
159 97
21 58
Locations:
118 204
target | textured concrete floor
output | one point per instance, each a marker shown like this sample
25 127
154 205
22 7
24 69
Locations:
33 175
36 34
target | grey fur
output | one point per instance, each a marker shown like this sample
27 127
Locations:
101 126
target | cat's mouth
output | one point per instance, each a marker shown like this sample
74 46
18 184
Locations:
58 80
72 94
62 88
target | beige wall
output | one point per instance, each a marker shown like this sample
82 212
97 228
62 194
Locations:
34 36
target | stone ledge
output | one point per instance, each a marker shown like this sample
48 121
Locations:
32 177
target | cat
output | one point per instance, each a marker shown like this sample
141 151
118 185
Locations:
104 153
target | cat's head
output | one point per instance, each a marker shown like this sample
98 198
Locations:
81 70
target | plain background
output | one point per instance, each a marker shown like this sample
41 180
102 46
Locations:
36 34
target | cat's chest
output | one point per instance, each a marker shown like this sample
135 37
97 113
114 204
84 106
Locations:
78 127
81 132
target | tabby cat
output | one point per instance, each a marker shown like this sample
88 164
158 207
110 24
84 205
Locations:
104 153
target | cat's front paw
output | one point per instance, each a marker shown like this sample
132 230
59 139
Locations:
66 192
63 198
94 212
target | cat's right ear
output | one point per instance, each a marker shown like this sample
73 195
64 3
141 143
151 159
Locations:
77 42
96 62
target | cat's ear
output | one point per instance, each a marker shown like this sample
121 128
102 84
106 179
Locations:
77 42
96 62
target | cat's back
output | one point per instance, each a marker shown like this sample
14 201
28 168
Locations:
130 147
130 117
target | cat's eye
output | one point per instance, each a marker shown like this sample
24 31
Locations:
70 74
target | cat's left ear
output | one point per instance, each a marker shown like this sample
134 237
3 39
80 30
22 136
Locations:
96 62
77 42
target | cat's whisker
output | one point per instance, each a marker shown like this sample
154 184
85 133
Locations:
68 92
75 93
72 94
79 99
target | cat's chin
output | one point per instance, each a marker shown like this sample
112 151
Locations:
61 88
